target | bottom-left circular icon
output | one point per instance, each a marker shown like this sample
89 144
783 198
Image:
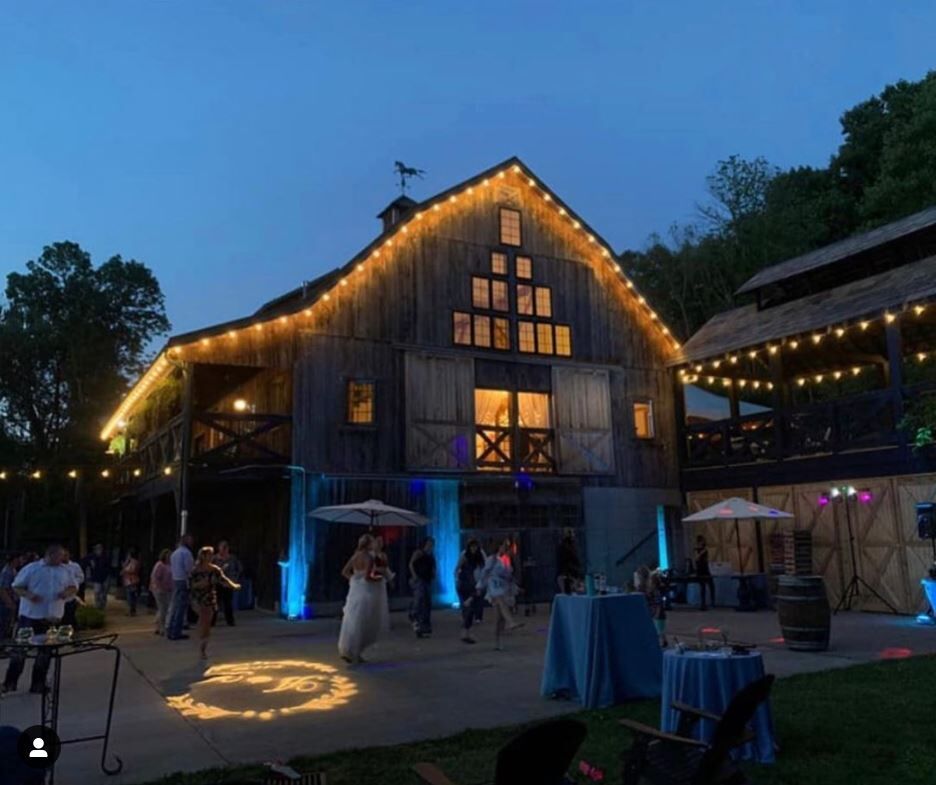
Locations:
38 747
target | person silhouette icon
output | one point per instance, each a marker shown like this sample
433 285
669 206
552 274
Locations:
37 751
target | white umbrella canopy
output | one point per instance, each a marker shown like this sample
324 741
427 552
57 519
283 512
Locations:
369 513
736 509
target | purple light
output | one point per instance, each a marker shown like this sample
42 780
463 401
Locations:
823 500
865 497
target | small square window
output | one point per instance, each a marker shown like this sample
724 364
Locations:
498 263
543 301
563 340
509 226
525 299
499 298
544 338
461 328
480 292
361 403
643 420
482 331
527 337
524 267
501 334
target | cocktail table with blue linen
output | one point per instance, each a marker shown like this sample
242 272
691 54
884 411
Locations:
709 680
602 650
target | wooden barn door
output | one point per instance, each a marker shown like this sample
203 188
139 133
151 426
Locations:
823 524
917 553
879 541
582 405
439 412
780 498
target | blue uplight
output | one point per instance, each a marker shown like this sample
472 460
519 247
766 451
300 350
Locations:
294 573
442 509
661 537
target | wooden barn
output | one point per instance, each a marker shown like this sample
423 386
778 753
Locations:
820 383
484 360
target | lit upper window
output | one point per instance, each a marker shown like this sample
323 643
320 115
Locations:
461 328
543 301
544 338
527 337
480 292
524 299
524 267
643 420
498 263
563 340
482 331
361 403
499 299
510 227
501 334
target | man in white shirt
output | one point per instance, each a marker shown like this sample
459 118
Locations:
181 563
43 587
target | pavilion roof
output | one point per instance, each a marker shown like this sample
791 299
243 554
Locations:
841 250
747 326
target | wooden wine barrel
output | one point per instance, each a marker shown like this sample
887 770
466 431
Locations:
803 610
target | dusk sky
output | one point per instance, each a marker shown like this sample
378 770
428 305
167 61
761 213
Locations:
238 148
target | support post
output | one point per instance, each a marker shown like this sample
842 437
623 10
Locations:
188 372
679 407
734 402
894 373
781 404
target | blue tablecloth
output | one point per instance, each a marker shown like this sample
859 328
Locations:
710 681
602 650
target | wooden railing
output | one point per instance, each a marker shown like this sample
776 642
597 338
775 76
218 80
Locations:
514 449
859 422
218 439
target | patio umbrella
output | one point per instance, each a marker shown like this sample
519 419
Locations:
369 513
735 508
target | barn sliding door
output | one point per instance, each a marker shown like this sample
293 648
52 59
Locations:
583 421
439 411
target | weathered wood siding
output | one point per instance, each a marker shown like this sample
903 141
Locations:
403 302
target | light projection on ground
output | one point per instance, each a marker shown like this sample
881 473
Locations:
265 690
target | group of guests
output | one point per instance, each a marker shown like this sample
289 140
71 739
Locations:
478 578
182 581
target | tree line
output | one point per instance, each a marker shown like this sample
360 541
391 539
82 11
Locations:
758 214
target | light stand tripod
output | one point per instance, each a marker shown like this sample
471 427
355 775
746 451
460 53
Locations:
853 588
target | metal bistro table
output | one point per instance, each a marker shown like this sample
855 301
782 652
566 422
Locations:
49 707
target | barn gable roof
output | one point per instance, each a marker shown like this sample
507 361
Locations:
308 295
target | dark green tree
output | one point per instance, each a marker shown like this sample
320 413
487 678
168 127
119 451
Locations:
71 336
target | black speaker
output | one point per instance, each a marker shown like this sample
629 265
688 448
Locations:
926 520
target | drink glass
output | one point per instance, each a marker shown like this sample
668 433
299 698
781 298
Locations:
66 632
24 634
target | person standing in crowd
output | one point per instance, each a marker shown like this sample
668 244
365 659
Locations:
130 576
422 569
161 586
205 579
703 573
497 581
181 563
230 565
466 582
43 587
71 604
98 570
568 564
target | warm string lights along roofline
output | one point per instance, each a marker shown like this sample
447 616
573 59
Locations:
379 251
794 341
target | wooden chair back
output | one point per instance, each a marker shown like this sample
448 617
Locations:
541 755
732 726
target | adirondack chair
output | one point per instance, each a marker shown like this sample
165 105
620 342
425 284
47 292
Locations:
538 756
676 759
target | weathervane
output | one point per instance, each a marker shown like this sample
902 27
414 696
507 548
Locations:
406 172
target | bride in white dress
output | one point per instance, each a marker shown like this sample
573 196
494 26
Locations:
361 622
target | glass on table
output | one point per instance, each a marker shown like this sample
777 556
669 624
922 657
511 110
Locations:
24 634
66 632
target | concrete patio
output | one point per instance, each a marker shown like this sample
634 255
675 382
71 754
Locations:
411 689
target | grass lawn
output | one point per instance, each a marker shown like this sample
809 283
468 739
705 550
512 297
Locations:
866 725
